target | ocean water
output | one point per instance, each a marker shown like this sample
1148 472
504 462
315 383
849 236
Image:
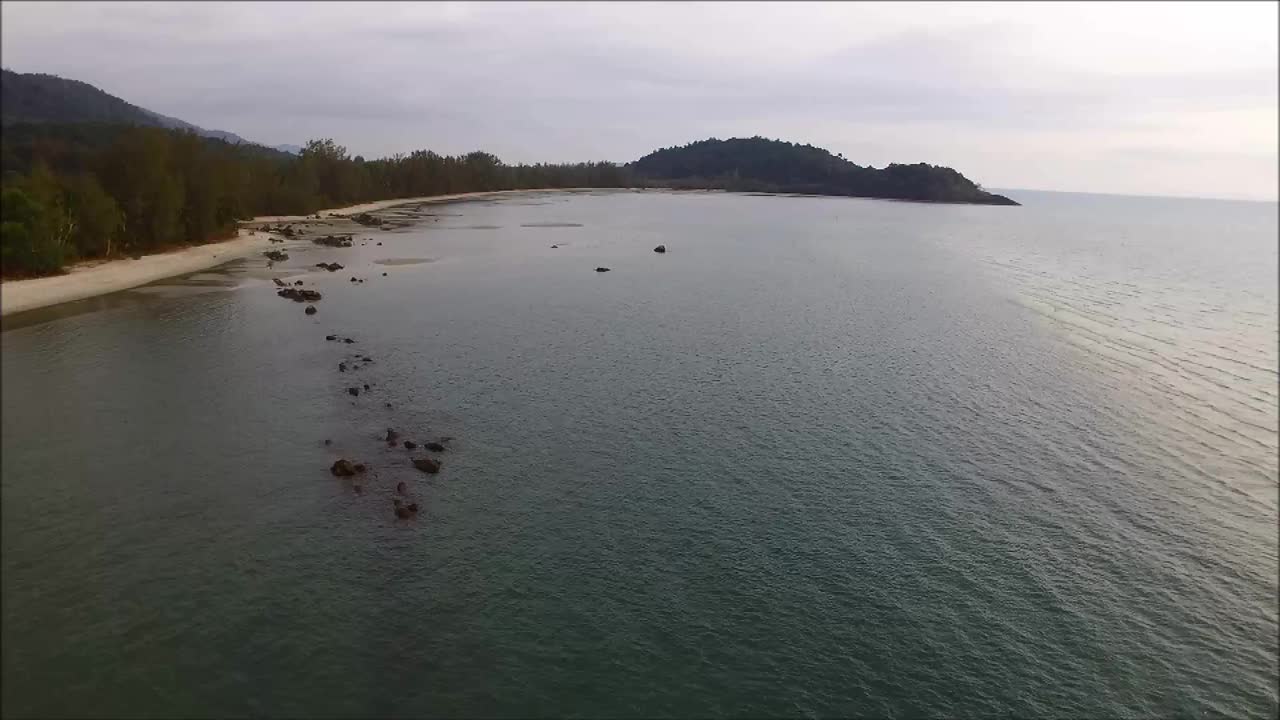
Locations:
824 457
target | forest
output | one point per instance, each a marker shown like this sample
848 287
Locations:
79 191
759 164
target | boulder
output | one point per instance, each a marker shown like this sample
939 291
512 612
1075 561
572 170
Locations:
433 446
331 338
602 269
311 310
343 468
660 249
409 444
427 465
353 391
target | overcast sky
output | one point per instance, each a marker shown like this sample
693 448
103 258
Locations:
1177 99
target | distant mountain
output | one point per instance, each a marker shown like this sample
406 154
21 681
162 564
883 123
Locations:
761 165
35 98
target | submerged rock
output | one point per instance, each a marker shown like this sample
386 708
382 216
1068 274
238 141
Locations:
353 391
433 446
360 467
400 487
409 444
342 367
330 337
427 465
413 508
392 435
343 468
298 295
348 340
402 512
276 255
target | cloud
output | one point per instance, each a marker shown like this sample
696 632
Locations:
1008 94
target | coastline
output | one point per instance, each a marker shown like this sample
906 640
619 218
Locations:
94 278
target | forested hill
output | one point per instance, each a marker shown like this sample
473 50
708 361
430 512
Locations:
34 98
761 165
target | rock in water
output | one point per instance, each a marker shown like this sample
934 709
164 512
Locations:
426 465
602 269
360 467
278 282
434 446
660 249
392 435
400 487
311 310
343 468
342 367
413 508
403 513
409 444
354 391
330 337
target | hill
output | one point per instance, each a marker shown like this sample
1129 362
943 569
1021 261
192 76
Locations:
36 98
761 165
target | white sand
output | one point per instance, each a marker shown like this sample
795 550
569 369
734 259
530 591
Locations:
98 278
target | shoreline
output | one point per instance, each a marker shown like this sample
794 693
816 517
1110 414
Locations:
97 277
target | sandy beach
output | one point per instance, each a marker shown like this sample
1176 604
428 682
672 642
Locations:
99 278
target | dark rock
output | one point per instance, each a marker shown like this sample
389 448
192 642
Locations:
331 267
354 391
409 444
298 295
379 244
384 274
342 367
427 465
276 255
555 247
353 279
278 282
413 508
388 404
400 488
660 249
333 240
327 441
360 467
403 513
348 340
433 446
311 310
366 387
392 435
343 468
366 358
330 338
602 269
396 501
298 283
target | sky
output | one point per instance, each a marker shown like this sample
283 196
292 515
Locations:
1140 98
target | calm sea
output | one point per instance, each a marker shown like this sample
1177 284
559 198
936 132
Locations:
823 457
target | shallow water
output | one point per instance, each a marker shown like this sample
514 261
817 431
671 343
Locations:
823 457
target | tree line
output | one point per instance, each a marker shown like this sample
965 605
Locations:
83 191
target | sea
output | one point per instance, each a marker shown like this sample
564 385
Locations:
823 457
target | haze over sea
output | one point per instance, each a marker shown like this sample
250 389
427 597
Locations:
825 456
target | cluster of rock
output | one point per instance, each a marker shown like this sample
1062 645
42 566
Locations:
299 294
276 255
339 241
331 267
